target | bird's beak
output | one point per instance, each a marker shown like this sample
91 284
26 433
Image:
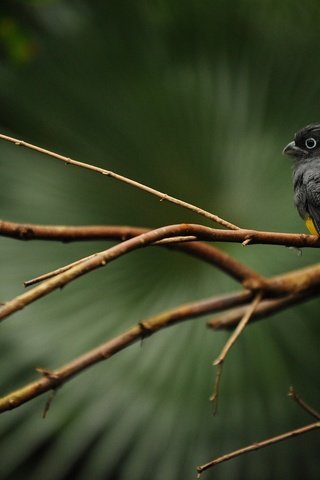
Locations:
292 150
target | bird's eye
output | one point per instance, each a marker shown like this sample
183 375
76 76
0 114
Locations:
310 143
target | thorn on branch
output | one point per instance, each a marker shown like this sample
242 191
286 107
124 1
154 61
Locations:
297 250
247 241
47 373
164 197
48 403
146 330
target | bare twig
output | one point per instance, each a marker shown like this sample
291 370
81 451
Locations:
216 389
240 327
121 178
303 404
54 273
229 344
258 445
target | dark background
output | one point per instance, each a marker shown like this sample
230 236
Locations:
196 99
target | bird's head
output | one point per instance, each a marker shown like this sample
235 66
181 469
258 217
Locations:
306 143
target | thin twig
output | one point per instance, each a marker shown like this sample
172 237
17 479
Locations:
121 178
258 445
54 273
237 332
303 404
216 389
229 344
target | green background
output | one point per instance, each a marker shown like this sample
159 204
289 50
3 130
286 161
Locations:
196 99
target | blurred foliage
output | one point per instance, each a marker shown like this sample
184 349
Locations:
196 99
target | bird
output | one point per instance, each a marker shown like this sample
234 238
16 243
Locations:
305 152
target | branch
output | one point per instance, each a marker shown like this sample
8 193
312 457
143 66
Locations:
265 443
121 178
265 309
303 404
229 344
240 327
207 253
297 281
91 263
28 231
258 445
51 380
210 254
100 259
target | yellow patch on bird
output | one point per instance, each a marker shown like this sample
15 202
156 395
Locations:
311 226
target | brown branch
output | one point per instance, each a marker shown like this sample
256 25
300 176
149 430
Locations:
27 231
62 233
202 251
121 178
265 308
207 253
295 282
258 445
52 379
100 259
225 262
91 263
265 443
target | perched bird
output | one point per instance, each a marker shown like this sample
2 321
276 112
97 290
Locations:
305 150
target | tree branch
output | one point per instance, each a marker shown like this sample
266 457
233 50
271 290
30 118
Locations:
202 251
53 379
258 445
100 259
28 231
248 312
266 308
293 282
121 178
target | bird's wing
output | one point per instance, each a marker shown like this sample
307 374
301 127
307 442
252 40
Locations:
313 199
